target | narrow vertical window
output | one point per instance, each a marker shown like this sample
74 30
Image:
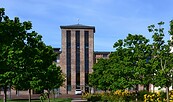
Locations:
77 59
68 59
86 40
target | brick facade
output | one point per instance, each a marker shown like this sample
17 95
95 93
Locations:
63 55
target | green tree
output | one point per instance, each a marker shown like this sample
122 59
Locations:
131 61
38 70
162 57
51 75
53 79
135 61
98 79
24 58
127 67
30 70
12 35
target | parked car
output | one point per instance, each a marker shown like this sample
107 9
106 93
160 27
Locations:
78 92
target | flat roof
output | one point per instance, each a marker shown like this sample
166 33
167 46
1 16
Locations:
78 26
102 52
57 50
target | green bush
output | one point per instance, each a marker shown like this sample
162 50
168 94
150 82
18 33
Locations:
157 96
141 94
43 97
109 97
95 98
92 97
163 94
122 96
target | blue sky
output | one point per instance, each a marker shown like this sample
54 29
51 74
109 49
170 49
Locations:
113 19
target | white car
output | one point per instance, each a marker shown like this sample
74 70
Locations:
78 92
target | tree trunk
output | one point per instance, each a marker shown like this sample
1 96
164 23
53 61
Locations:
148 87
167 94
10 93
136 92
153 88
5 94
54 94
48 95
17 92
29 95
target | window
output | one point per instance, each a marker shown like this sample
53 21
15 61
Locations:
77 39
86 40
77 58
68 59
105 55
68 87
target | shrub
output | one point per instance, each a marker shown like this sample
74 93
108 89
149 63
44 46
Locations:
110 96
171 96
124 95
92 97
43 97
155 97
141 94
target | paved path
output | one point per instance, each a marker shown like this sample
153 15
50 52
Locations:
75 98
79 100
34 96
37 96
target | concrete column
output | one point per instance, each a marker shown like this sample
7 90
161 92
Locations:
82 60
62 62
91 50
73 60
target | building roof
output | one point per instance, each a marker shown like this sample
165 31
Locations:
102 52
57 50
78 26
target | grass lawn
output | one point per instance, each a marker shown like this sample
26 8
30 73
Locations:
52 100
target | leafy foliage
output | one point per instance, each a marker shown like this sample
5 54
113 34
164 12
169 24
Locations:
162 57
126 67
26 62
136 61
99 78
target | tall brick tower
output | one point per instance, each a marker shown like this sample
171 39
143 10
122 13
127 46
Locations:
76 58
